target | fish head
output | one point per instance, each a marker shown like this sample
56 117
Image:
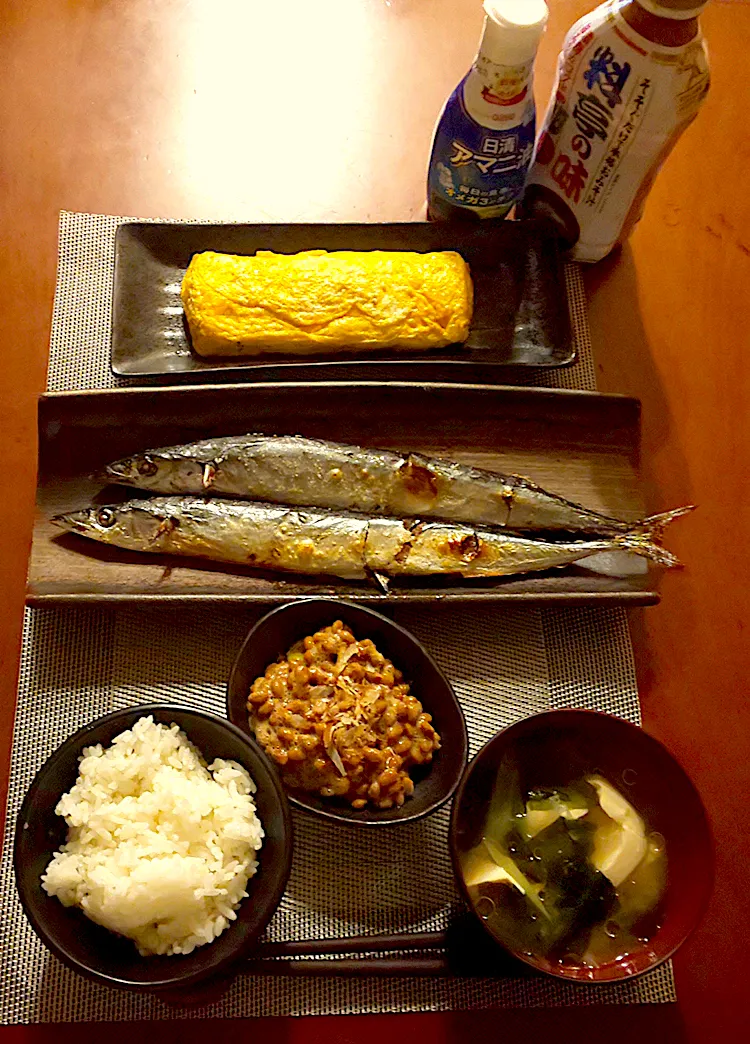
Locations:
129 525
136 470
162 472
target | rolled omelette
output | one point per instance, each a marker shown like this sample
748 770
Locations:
316 301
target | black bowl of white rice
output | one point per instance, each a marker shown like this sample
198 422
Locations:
153 847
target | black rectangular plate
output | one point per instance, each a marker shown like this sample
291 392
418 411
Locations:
520 318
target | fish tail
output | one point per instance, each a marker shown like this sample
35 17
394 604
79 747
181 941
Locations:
645 537
655 525
641 545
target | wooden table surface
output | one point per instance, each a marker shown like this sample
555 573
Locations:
323 111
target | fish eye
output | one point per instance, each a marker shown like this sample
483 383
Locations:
106 517
146 467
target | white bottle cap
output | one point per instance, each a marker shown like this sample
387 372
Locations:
513 29
678 10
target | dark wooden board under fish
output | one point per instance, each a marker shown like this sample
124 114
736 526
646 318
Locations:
582 445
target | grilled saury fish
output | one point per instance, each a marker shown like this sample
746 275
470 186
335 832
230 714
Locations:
352 546
293 470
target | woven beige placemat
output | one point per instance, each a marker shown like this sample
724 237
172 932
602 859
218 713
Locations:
80 663
79 345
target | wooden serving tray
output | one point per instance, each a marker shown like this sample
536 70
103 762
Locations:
582 445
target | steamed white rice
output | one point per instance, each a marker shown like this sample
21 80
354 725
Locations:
160 847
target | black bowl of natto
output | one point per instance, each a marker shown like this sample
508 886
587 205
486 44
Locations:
277 632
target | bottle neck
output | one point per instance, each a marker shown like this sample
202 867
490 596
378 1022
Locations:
667 32
498 91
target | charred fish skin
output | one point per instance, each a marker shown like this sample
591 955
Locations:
316 542
284 469
294 470
264 536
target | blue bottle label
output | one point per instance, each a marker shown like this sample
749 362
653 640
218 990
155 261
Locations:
480 168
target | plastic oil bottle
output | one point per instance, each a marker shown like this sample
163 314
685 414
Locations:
484 139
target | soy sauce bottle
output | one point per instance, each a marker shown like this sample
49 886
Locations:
484 138
631 78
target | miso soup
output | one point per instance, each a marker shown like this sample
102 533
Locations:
571 873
